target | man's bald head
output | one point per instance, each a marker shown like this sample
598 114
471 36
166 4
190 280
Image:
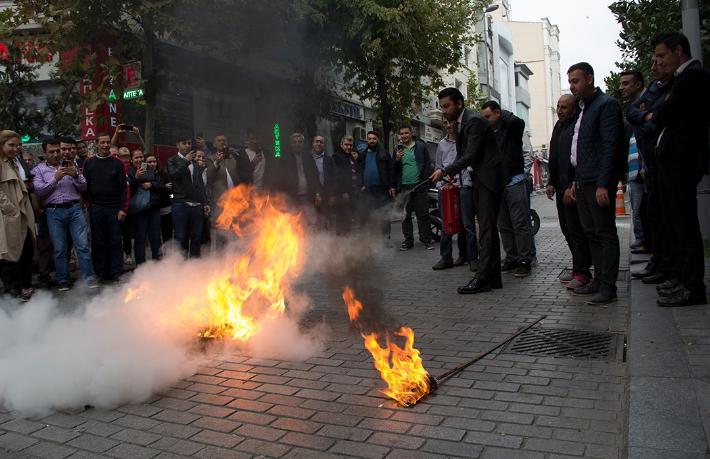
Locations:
566 107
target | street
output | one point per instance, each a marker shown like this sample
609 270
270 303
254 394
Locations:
505 406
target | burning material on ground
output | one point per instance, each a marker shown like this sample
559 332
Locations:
400 367
255 288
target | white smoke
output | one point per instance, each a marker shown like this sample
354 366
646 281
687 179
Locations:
104 351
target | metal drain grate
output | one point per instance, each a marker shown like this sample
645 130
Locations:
578 344
623 276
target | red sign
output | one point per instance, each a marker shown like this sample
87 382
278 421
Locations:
32 50
132 75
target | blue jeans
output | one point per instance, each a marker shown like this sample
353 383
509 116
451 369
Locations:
146 223
466 239
61 223
636 192
188 222
106 249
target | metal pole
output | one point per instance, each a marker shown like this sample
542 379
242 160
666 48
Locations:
691 27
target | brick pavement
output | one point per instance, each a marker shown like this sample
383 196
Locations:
506 406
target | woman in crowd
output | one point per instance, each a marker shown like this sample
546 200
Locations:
17 222
145 178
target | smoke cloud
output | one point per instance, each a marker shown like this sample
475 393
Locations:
105 351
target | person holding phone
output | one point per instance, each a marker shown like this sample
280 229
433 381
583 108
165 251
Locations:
189 200
59 185
144 177
127 129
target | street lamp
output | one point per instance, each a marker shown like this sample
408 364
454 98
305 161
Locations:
491 8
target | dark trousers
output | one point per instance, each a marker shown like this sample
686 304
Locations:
574 235
166 226
188 222
599 225
487 205
679 204
146 224
106 250
127 234
17 275
514 223
417 203
373 208
656 233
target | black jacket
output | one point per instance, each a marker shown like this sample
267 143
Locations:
421 154
385 167
348 173
281 174
647 131
561 171
684 119
509 136
184 190
157 188
477 147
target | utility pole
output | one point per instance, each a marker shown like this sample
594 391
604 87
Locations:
691 27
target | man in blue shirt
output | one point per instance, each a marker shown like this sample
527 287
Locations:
377 169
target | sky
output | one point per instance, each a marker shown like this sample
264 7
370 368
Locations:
588 31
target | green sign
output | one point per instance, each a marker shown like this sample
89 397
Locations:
277 140
112 97
25 138
132 94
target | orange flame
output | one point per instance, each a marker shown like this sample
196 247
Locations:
400 367
255 289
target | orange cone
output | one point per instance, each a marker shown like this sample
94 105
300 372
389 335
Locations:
620 206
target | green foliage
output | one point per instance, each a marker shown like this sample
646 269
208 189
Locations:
640 20
390 52
474 92
17 85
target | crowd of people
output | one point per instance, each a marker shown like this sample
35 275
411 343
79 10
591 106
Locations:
96 212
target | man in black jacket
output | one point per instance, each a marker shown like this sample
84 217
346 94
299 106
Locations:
514 214
346 190
477 148
640 115
189 202
682 158
378 181
560 185
599 159
412 165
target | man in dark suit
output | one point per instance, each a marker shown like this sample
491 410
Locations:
477 148
189 202
682 159
296 175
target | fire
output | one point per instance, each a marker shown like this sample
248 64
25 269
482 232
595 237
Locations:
135 293
400 367
254 289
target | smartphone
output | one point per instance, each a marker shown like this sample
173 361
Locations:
399 147
144 165
126 127
65 163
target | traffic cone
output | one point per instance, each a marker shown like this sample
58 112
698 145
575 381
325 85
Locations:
620 206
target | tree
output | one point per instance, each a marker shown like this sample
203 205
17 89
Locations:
134 27
473 90
390 52
17 85
640 20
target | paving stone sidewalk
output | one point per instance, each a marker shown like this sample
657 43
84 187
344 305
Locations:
506 406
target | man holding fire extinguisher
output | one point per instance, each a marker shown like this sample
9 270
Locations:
477 148
467 244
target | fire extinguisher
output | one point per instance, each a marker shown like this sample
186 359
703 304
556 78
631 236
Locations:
450 209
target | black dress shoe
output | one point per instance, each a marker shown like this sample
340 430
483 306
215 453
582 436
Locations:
683 298
667 285
508 266
645 272
655 278
442 264
460 261
476 285
670 291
